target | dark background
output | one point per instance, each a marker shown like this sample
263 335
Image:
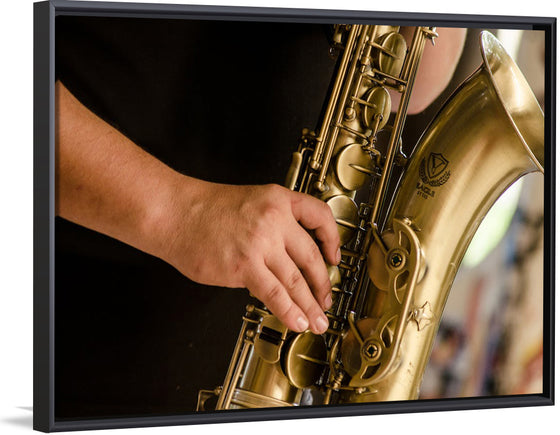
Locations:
221 101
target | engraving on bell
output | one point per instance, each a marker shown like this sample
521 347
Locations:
345 212
423 316
354 167
437 164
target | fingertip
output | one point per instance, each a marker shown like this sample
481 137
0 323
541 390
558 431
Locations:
320 325
301 324
332 256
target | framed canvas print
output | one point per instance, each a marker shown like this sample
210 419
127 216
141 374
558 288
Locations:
251 214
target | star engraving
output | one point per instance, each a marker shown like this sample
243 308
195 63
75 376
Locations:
423 316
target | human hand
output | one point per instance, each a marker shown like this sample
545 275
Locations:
231 236
255 237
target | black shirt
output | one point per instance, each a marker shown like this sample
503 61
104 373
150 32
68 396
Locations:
223 101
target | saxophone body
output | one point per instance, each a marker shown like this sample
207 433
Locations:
400 253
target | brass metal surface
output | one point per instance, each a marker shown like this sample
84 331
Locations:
451 182
305 359
354 168
345 212
397 266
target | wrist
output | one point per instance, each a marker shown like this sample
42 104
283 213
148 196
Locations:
167 213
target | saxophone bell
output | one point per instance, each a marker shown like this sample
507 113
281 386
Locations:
399 256
488 134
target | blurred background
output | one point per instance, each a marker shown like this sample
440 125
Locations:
491 336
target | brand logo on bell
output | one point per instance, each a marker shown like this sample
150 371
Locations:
434 173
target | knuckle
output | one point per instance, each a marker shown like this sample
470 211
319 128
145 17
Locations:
283 312
256 239
274 193
274 300
313 255
272 293
295 280
274 189
270 215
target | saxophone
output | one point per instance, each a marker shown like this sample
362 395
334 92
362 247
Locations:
400 254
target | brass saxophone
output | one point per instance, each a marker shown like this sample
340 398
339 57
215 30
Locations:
399 254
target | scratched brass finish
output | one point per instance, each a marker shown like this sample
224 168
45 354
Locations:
397 266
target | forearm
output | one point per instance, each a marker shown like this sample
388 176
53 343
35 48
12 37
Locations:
436 68
215 234
107 183
438 64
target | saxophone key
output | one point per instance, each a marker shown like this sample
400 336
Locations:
354 167
305 359
345 212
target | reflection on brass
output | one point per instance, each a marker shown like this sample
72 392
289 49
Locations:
423 316
352 344
305 359
249 399
377 107
354 168
334 275
345 212
405 266
399 258
391 53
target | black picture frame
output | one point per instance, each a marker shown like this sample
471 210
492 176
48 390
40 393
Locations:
44 191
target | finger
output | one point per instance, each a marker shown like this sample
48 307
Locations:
316 215
282 266
262 283
306 255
